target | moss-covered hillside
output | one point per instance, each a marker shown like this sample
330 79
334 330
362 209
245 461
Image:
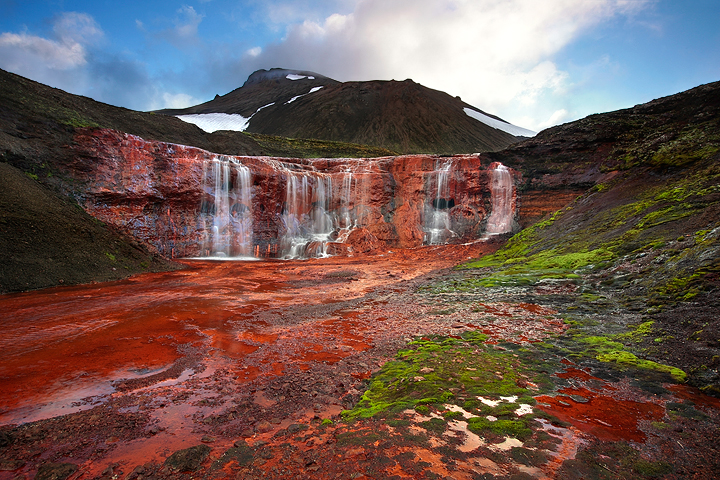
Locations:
646 234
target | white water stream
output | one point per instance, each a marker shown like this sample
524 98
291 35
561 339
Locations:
502 215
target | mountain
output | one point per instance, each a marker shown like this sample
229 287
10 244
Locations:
401 116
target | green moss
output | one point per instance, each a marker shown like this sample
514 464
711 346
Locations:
453 415
651 469
516 248
439 370
312 148
511 428
638 333
624 358
358 438
435 425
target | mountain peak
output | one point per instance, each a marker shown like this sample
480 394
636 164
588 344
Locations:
403 116
281 73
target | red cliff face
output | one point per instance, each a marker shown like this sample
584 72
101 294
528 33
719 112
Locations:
189 202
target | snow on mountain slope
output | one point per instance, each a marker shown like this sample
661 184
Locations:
312 90
293 76
499 124
211 122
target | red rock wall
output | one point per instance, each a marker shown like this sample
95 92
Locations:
156 192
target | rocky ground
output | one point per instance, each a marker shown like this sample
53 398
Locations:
391 366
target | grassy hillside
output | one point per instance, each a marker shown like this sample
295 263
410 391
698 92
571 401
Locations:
644 240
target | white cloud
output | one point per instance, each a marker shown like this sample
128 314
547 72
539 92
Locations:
497 55
178 100
25 54
187 24
77 28
19 52
558 117
184 33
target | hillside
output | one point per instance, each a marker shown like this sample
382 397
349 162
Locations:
402 116
37 122
643 240
47 240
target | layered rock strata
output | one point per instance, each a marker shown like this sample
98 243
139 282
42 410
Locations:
189 202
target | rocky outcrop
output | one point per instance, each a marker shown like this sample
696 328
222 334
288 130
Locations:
189 202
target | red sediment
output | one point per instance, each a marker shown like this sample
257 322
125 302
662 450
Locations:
537 309
603 416
694 395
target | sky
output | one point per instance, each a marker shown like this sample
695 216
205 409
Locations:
534 63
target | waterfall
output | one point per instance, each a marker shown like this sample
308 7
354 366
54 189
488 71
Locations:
346 220
437 210
241 216
227 220
501 188
305 216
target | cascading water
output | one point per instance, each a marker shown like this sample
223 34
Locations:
320 210
346 220
501 188
437 208
241 212
305 215
228 219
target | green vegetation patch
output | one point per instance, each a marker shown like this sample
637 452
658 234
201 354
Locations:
628 359
436 371
608 349
313 148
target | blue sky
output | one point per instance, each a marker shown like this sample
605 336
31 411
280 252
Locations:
535 63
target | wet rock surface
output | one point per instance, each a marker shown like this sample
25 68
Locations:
189 202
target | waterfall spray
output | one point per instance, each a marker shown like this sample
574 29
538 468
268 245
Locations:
501 188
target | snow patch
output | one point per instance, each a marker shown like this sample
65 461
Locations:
499 124
212 122
293 76
312 90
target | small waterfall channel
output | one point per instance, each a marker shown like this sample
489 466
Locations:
438 205
501 217
228 218
305 216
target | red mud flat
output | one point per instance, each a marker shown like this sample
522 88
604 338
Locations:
166 346
227 370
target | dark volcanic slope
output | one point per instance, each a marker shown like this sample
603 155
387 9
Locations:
46 240
260 89
667 133
646 230
35 118
401 116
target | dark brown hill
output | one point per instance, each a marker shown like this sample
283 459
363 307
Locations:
668 133
48 240
401 116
